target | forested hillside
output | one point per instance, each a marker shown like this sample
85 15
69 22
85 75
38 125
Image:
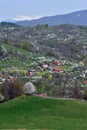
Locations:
53 58
63 41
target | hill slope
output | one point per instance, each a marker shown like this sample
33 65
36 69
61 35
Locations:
8 24
63 41
41 113
75 18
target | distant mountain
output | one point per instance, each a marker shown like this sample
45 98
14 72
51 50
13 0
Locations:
8 24
10 21
75 18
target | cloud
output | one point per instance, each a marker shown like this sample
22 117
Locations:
22 17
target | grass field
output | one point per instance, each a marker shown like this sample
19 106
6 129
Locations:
29 112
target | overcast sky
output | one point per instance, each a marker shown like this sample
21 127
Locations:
28 9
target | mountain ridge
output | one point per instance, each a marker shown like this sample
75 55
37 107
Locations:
76 18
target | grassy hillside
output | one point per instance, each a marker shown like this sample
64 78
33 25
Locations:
15 56
19 57
28 112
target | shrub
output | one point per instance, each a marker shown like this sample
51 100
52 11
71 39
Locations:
23 72
25 46
16 89
85 94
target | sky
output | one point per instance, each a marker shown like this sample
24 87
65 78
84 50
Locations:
32 9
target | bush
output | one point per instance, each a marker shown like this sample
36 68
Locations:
25 46
16 89
85 94
23 72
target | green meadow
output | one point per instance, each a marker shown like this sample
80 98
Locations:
32 112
